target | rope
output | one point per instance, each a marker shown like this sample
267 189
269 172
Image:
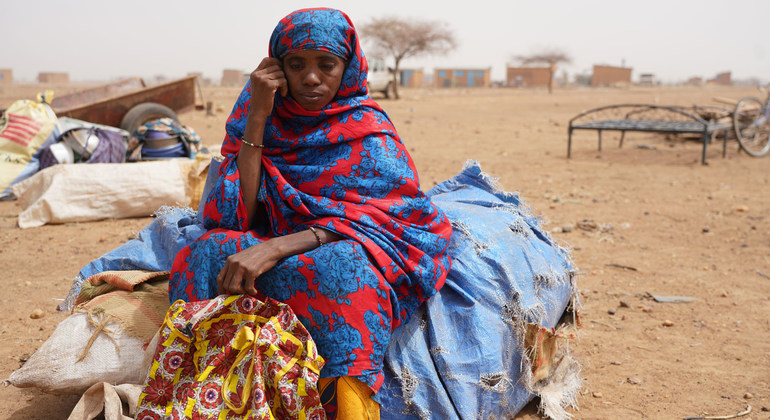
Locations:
100 327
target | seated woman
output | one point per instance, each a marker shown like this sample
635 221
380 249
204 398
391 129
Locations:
318 203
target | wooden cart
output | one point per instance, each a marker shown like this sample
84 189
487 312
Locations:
129 103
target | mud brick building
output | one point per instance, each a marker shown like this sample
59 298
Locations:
232 77
610 76
6 76
412 78
724 79
461 77
527 76
695 81
56 78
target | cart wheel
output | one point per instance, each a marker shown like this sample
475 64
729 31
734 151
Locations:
144 113
751 126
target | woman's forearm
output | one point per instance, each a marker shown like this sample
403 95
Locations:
266 80
304 241
249 166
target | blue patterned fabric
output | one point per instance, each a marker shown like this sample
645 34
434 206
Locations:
344 169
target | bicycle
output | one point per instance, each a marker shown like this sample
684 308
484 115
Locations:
751 122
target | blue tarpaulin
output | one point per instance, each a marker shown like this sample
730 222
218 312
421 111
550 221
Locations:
461 354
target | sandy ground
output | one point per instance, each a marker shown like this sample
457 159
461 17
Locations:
679 228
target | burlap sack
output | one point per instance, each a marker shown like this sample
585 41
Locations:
87 192
112 356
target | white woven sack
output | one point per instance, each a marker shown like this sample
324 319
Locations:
54 367
95 191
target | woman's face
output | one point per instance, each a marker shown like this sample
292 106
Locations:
313 76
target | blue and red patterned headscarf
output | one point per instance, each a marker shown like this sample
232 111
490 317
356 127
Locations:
343 168
324 30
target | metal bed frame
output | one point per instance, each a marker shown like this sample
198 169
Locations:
648 118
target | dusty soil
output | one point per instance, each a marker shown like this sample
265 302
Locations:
666 225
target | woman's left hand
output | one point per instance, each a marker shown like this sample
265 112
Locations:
242 269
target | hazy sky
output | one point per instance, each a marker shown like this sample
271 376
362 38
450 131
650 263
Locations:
100 40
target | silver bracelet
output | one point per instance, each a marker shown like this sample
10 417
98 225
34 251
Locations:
248 143
317 236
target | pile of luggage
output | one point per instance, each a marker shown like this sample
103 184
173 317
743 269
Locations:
32 138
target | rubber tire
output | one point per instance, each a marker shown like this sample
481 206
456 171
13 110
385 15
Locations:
144 113
756 147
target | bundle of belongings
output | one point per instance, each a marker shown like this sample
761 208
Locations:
83 142
32 138
494 337
38 150
163 139
25 127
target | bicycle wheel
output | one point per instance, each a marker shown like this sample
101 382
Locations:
751 126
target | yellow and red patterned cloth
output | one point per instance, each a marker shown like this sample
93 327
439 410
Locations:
232 357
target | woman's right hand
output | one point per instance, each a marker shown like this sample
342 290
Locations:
242 269
266 79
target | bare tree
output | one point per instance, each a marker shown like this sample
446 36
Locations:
402 38
551 57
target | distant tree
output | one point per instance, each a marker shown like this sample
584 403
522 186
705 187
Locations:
401 38
551 57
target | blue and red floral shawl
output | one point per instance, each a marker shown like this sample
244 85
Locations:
344 169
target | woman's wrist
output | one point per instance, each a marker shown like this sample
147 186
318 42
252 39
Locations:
316 235
256 118
300 242
296 243
250 144
254 130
